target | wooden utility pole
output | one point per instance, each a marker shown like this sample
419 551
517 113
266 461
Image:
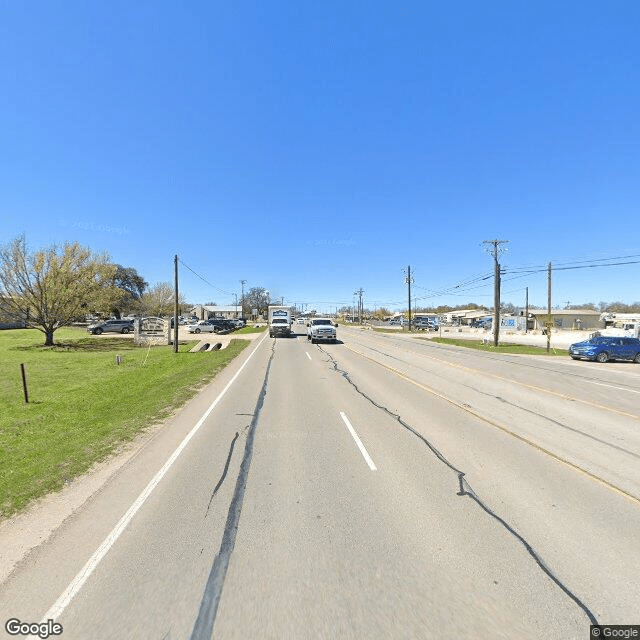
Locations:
549 323
175 307
526 311
408 280
409 292
360 306
495 251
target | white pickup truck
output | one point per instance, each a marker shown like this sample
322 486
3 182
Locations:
321 329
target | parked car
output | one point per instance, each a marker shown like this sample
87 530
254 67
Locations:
222 323
111 326
425 325
321 329
203 326
604 348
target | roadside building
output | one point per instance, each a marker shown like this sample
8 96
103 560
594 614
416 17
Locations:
471 318
566 319
620 320
205 312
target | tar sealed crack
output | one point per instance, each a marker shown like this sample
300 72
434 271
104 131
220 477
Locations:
465 489
224 472
203 626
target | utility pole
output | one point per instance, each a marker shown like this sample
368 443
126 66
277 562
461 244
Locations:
175 306
495 251
408 280
526 310
550 320
242 283
359 293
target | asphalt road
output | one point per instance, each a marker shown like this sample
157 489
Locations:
379 487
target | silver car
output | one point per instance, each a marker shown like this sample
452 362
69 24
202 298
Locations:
111 326
203 326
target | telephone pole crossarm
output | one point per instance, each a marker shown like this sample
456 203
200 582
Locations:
495 250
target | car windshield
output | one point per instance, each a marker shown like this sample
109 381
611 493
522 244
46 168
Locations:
322 322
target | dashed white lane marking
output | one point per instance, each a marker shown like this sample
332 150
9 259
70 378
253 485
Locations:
613 386
308 356
363 451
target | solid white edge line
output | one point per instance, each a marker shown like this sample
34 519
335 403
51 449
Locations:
308 356
363 451
613 386
76 584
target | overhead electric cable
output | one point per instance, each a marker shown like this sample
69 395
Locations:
205 280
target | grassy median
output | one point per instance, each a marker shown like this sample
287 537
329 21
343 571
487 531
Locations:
82 404
501 348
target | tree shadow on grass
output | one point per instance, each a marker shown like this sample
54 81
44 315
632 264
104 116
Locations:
85 344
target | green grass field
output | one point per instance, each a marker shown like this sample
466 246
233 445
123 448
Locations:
250 330
501 348
82 404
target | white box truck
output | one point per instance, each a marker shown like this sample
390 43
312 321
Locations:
280 321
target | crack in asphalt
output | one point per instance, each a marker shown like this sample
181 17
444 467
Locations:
224 473
203 626
465 489
518 406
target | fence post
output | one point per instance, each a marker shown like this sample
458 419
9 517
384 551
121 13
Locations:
24 384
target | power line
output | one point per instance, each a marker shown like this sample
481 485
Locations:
213 286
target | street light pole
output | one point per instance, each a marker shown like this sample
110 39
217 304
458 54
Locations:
242 283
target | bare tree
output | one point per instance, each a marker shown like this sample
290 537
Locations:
256 298
158 300
51 288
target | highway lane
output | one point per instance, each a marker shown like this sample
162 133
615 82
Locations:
585 414
149 583
520 545
358 553
592 522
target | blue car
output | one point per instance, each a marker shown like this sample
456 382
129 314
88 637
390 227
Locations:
604 348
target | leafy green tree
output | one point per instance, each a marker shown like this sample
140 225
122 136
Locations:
51 288
130 286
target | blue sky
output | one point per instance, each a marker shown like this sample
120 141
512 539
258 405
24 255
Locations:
314 148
